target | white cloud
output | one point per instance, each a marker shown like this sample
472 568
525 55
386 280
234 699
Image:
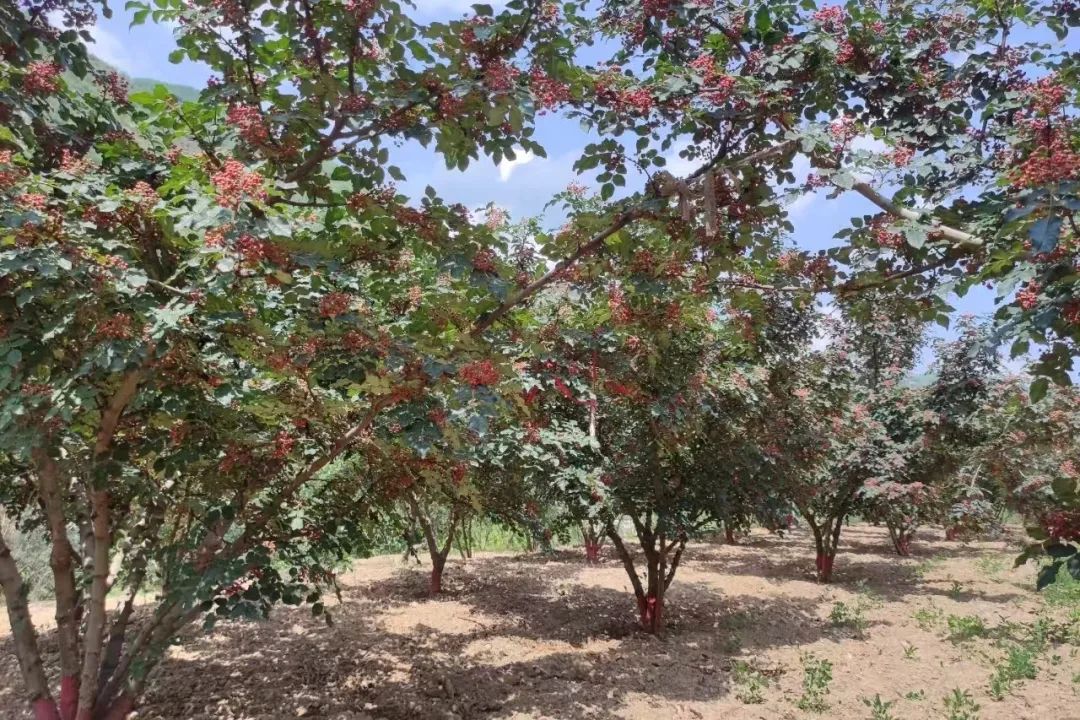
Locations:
506 167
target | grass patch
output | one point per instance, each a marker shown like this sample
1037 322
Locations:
965 627
929 618
1063 592
961 706
849 615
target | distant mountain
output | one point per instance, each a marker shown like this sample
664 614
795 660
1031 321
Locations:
183 92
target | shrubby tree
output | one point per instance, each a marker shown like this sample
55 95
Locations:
207 305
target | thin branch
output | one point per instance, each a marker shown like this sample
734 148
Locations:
958 236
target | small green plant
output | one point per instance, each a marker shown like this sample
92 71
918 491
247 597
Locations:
868 596
915 695
928 618
961 706
1000 684
817 674
956 590
1064 591
751 683
965 627
879 709
846 615
910 651
991 565
1019 664
923 569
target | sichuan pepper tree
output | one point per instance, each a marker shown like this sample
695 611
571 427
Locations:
208 304
850 424
636 349
1028 464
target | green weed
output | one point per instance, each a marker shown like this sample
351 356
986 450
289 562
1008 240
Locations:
751 683
879 709
846 615
961 706
990 565
928 618
965 627
1019 664
817 674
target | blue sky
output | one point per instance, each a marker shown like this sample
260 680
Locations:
522 187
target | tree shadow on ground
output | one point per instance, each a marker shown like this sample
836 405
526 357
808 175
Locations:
866 562
537 634
509 640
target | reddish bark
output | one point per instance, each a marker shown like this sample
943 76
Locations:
951 533
45 709
824 563
120 709
435 583
651 611
592 553
729 536
69 696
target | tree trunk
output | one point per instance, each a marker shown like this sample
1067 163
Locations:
435 583
25 637
53 490
438 555
825 549
729 534
901 538
658 573
594 542
96 619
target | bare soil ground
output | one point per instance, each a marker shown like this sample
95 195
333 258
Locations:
531 638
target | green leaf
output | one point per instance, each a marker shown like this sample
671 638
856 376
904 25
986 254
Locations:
1047 575
1060 551
1044 234
1038 389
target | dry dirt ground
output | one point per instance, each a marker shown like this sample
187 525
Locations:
531 638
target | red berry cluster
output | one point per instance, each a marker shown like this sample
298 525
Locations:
9 172
717 86
548 92
1063 525
901 155
283 445
620 311
334 304
484 261
42 78
32 201
118 327
844 52
1052 160
831 18
843 129
884 235
115 86
249 124
479 373
1028 298
500 75
234 183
